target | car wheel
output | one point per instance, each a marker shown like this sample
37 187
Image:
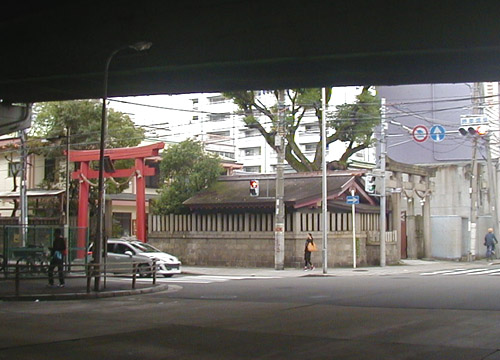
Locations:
143 270
168 275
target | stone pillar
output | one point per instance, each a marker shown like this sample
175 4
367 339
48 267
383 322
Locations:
396 212
427 220
411 229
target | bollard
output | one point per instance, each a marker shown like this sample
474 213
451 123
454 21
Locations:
89 277
17 279
134 275
154 272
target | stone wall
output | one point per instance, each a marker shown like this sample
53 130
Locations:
256 249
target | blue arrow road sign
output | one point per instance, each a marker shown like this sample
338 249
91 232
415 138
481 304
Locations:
352 199
437 133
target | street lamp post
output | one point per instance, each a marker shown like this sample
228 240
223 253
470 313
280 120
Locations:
140 46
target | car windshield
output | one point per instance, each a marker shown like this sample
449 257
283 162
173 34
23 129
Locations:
143 247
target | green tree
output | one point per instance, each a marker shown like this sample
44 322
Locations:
352 124
83 118
187 169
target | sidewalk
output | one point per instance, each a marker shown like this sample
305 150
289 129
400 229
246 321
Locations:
76 288
405 267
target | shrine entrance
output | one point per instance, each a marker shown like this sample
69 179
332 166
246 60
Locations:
139 171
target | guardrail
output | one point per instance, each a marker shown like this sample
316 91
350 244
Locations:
20 272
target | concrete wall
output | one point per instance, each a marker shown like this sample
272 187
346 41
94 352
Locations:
446 232
451 237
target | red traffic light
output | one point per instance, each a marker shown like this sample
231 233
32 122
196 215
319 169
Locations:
254 187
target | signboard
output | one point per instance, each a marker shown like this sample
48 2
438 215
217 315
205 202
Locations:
420 133
352 199
438 133
466 120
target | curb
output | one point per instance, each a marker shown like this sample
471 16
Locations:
79 296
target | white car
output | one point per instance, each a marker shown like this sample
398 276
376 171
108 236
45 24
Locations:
124 252
167 265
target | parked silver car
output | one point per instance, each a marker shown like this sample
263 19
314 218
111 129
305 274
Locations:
167 265
122 253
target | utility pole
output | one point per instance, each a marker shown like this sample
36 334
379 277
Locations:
23 198
66 224
382 225
474 181
473 202
324 184
279 231
492 190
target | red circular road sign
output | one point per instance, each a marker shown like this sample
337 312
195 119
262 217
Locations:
420 133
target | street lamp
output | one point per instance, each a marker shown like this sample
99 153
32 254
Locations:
140 46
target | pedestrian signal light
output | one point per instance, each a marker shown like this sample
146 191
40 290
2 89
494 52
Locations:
254 187
370 183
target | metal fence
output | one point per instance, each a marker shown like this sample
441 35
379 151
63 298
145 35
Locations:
29 245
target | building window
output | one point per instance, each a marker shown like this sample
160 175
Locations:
224 154
219 99
254 151
14 168
251 132
311 147
195 103
252 169
219 133
195 118
50 170
153 182
311 128
218 117
122 224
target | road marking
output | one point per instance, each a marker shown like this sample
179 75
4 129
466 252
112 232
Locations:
204 279
468 272
440 272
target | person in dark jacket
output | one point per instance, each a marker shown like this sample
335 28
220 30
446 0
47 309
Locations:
307 254
489 241
57 258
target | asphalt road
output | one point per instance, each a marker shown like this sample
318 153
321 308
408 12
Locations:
410 316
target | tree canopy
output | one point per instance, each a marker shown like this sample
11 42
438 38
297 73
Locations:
187 169
48 136
83 118
351 124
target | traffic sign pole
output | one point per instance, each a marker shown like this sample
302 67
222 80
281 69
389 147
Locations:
353 232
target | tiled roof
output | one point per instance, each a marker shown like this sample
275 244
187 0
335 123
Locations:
301 190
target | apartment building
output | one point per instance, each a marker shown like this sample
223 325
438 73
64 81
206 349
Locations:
214 120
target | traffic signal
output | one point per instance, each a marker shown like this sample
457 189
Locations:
480 130
370 183
254 187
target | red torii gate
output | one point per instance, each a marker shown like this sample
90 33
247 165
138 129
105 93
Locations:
140 170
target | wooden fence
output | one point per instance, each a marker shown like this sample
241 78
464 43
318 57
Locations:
296 222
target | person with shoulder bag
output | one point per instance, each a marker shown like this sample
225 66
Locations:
57 258
310 247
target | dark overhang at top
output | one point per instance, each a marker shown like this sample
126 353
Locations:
57 51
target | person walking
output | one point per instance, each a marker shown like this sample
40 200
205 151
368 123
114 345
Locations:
489 241
310 246
57 258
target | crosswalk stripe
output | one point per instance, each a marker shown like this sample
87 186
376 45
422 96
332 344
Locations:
467 272
441 272
488 272
461 272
